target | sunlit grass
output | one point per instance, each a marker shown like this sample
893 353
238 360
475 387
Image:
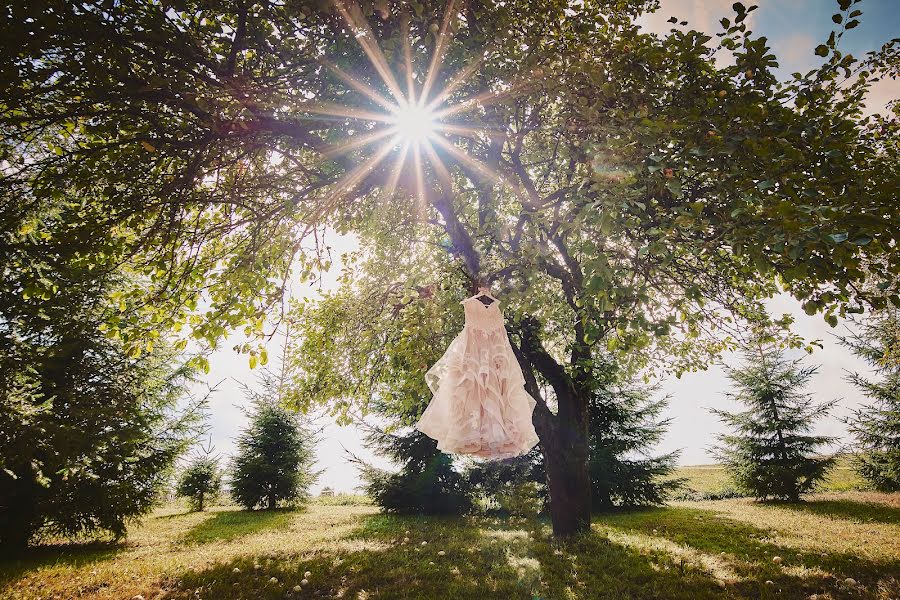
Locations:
713 478
689 550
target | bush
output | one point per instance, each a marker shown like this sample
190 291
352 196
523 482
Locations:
523 499
426 483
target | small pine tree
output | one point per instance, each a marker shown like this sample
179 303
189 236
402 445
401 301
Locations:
876 427
274 460
426 483
624 427
200 481
771 454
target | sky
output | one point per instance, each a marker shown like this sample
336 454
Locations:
794 28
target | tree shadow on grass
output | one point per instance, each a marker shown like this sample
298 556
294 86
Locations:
748 551
462 558
864 512
592 566
231 524
72 554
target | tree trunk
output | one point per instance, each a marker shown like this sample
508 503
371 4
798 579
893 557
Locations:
200 503
565 451
272 501
17 521
564 443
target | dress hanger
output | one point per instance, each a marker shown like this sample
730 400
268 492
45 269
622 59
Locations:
484 296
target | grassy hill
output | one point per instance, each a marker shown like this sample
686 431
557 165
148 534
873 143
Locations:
712 479
689 550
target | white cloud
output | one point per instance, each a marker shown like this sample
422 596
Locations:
880 94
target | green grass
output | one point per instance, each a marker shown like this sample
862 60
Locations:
713 479
689 550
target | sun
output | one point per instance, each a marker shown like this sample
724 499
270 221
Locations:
420 125
414 123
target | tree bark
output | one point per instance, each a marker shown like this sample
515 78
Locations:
564 444
272 501
17 520
565 451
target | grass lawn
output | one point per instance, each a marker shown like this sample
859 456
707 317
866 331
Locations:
690 550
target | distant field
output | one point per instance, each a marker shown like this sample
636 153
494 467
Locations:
837 546
713 479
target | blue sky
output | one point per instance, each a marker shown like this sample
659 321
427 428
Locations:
794 28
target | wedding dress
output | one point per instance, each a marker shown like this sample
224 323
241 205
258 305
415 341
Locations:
479 404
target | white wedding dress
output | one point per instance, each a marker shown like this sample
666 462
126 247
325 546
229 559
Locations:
480 406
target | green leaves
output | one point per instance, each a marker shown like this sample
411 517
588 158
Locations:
674 186
839 237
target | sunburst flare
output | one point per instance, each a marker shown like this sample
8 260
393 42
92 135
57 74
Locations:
415 123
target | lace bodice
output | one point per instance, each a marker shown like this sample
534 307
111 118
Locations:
481 316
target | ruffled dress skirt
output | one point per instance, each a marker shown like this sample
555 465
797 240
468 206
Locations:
480 406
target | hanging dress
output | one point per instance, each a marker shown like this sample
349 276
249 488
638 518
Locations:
479 405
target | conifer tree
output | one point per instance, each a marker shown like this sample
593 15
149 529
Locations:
876 426
200 481
624 428
276 452
89 432
426 483
274 461
771 453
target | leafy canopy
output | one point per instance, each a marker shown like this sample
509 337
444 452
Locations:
643 182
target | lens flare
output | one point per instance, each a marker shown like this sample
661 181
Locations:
414 123
418 125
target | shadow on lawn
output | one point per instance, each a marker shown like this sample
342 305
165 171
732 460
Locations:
748 551
482 559
65 554
231 524
849 509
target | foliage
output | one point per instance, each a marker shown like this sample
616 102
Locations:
88 435
626 192
521 499
876 427
384 373
498 482
770 453
624 428
200 481
427 482
274 459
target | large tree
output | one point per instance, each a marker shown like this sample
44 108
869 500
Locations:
619 188
88 434
876 425
643 199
